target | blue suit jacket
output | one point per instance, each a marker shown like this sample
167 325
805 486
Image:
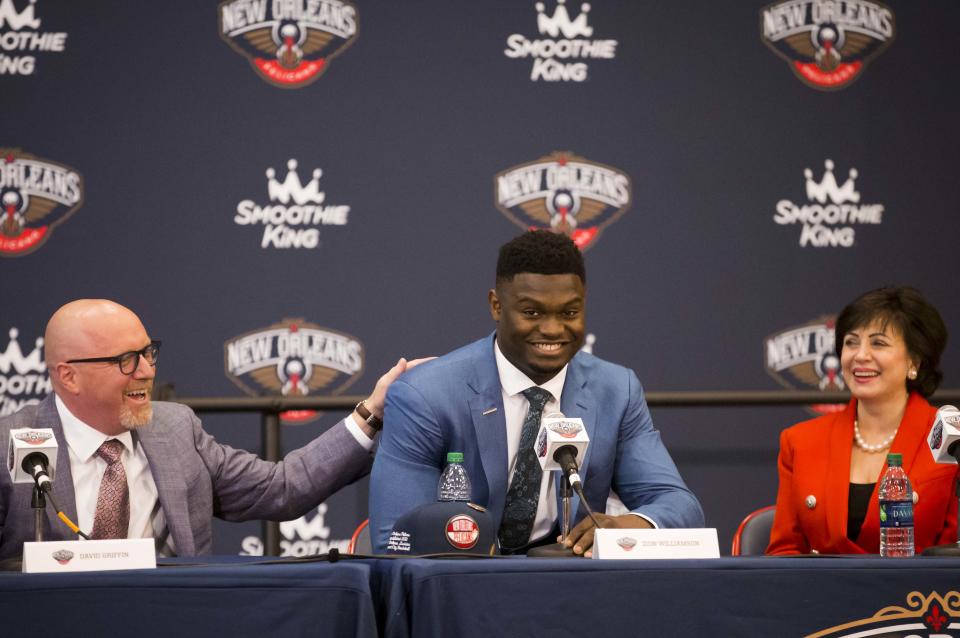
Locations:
447 405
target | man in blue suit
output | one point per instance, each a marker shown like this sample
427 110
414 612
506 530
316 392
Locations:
486 400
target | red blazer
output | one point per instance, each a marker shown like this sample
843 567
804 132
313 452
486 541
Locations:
815 461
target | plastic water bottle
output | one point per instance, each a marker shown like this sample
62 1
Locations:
896 510
454 483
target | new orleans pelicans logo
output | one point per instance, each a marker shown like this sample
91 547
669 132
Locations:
936 436
827 42
33 438
627 543
36 196
930 615
566 429
541 446
564 193
805 356
288 42
293 358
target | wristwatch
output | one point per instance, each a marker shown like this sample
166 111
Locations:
372 420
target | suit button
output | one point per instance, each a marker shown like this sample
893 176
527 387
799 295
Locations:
810 501
813 551
916 497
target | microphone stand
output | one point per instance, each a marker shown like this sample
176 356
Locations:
39 504
948 549
557 550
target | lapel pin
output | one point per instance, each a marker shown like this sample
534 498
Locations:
488 411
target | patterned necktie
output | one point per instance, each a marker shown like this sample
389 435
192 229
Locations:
113 502
520 509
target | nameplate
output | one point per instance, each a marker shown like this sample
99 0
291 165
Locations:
88 556
656 543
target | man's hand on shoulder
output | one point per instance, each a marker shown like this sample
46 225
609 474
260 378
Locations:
581 536
374 403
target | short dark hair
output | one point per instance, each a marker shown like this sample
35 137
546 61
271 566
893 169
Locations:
542 252
921 326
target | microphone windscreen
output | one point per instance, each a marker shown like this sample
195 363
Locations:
27 441
945 434
557 432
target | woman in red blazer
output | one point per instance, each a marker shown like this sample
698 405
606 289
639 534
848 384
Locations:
890 341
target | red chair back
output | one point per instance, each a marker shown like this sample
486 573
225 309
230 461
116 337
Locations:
361 537
753 535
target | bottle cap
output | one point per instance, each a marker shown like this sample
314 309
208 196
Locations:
454 457
895 459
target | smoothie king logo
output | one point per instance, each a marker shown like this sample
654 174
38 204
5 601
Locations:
805 356
293 226
293 358
925 616
36 195
564 193
21 38
832 210
301 537
288 42
564 41
827 43
23 377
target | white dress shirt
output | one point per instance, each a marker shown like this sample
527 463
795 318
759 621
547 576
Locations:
365 441
146 515
515 405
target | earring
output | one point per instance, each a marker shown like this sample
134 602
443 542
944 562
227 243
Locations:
912 374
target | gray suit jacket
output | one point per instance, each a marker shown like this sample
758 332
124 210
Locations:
196 477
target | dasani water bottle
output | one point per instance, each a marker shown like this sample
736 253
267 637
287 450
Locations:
454 483
896 510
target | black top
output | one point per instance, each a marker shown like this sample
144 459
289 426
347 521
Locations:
857 504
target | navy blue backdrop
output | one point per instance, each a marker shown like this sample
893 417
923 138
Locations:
732 170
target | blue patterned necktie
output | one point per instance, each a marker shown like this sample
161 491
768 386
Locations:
520 509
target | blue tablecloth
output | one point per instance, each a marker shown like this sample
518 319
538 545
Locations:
316 599
521 597
724 597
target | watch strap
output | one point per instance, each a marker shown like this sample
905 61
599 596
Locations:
373 421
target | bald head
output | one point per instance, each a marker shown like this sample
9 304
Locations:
84 328
99 393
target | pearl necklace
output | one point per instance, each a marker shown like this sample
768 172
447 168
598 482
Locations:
863 445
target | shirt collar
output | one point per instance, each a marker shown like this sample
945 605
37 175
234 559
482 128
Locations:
83 440
513 381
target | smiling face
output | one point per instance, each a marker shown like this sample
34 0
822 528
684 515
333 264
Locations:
98 393
540 321
875 362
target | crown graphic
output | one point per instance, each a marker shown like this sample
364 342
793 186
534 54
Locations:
560 22
828 186
13 358
292 189
16 20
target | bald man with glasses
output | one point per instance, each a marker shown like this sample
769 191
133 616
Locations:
128 467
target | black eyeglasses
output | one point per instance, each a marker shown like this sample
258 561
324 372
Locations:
128 361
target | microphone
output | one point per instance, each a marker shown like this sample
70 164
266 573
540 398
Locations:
945 435
560 442
32 457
